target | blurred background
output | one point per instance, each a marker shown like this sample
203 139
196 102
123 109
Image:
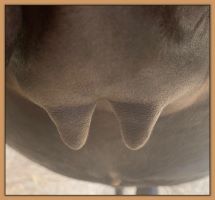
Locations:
24 177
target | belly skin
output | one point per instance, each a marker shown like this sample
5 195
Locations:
178 150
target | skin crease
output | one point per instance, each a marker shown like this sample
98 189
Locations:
139 64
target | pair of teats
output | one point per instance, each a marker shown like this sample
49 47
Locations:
136 123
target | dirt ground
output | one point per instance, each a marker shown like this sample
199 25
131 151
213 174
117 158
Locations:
24 177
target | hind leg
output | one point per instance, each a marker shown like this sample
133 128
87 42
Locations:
118 190
147 191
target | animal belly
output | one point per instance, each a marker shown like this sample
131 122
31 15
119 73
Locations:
178 150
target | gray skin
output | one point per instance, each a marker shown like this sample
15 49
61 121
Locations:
110 94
